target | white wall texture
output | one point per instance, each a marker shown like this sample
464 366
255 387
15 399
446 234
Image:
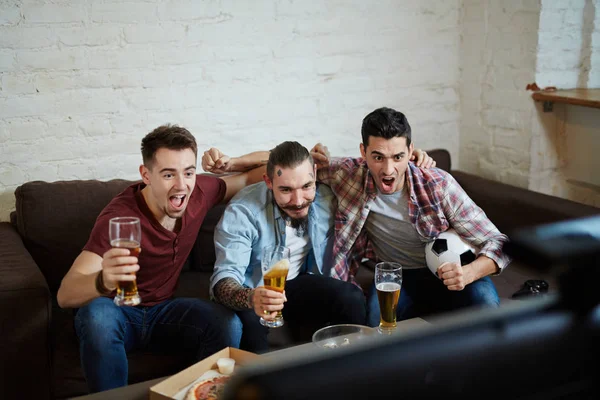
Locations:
83 81
570 138
504 134
565 142
569 43
498 55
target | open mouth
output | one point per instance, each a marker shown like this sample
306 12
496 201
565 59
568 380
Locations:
177 201
388 184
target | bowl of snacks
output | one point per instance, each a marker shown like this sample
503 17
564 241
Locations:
337 336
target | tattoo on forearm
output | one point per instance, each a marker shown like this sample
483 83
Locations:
233 295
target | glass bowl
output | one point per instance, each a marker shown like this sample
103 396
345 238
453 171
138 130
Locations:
336 336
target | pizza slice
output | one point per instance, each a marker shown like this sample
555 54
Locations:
207 389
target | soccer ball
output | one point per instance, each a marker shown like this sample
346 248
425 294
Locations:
448 247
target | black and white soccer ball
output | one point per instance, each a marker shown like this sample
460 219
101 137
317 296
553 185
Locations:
449 247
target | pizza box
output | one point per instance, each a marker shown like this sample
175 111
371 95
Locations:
170 387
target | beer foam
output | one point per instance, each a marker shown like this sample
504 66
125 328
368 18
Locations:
388 286
281 264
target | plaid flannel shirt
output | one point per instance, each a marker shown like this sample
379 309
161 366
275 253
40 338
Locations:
436 203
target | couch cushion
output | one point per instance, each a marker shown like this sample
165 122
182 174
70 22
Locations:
55 220
511 208
193 284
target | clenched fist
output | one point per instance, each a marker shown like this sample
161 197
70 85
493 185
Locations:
213 160
320 155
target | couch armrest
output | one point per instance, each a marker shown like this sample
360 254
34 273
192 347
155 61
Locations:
25 312
511 208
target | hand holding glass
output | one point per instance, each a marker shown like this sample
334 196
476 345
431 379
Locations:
275 265
388 282
126 232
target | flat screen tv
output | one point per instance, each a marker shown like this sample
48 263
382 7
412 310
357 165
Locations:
541 348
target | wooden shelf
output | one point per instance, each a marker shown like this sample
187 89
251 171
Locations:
579 97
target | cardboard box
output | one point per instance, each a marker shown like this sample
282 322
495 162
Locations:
167 389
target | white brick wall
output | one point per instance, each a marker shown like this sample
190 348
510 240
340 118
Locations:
504 134
565 141
81 82
498 57
566 43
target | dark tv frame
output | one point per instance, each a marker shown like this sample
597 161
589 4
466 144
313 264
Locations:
541 348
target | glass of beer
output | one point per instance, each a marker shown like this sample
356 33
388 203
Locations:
388 282
275 265
126 233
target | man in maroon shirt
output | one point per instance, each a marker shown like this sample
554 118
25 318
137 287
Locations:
171 203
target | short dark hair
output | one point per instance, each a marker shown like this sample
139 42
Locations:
167 136
386 123
287 155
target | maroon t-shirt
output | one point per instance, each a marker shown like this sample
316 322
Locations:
163 252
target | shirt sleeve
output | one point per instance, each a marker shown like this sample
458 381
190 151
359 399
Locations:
472 224
213 188
99 241
331 175
234 236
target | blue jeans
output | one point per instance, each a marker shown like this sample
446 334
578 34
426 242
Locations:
107 333
424 294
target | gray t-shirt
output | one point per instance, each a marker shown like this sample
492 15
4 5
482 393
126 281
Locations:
390 232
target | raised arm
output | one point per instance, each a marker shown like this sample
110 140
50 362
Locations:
250 167
213 160
237 182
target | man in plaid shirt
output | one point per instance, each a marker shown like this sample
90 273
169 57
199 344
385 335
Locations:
388 209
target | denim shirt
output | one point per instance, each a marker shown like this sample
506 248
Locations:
252 221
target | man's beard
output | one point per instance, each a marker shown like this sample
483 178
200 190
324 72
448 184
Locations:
299 224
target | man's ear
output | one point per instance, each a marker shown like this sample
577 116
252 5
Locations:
411 149
363 151
145 174
268 181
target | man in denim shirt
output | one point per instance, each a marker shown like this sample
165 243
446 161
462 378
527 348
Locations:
290 209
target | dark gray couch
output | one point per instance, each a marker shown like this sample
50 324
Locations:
52 222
